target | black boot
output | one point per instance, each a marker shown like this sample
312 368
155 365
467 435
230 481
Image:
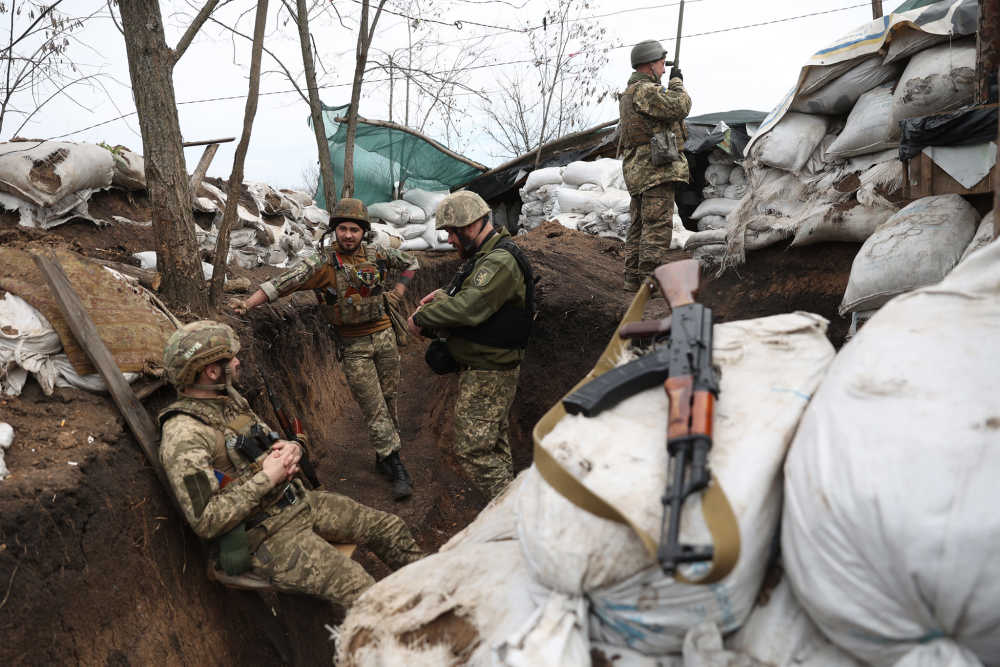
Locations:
382 466
402 485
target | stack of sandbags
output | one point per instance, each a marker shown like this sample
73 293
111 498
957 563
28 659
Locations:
413 218
890 529
538 198
536 580
725 178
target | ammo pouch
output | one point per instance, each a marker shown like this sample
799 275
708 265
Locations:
439 358
234 551
663 149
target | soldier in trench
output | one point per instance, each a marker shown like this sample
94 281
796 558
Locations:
350 281
238 487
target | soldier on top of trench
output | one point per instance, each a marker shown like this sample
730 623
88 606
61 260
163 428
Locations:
350 282
653 162
237 485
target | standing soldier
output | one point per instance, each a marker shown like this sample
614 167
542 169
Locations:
486 315
350 282
235 482
652 140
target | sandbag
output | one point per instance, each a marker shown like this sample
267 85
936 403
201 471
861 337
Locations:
982 238
6 438
838 96
819 76
890 525
719 206
707 237
578 201
425 200
942 78
129 170
575 553
906 41
540 177
711 222
833 222
790 143
718 174
738 176
606 172
881 185
915 247
868 127
314 215
734 192
412 230
418 243
397 213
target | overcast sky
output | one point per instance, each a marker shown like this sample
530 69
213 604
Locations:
735 68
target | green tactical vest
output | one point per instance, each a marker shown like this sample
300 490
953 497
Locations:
637 128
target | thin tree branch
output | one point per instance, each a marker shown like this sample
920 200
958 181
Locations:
192 30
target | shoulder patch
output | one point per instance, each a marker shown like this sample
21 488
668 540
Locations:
483 276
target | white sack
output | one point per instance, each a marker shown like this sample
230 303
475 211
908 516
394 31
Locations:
303 199
738 176
711 222
129 170
412 230
906 41
606 172
578 201
426 200
6 438
791 142
540 177
397 213
769 368
707 237
718 174
719 206
569 220
838 96
915 247
938 79
734 192
831 222
819 76
386 235
882 183
314 215
868 128
982 238
890 527
418 243
481 591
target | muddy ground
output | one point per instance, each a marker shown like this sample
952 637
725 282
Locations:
97 568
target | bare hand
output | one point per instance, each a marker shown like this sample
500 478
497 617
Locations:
429 297
238 305
290 453
412 327
274 468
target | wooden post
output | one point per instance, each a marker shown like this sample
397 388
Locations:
987 49
876 9
996 182
199 171
83 329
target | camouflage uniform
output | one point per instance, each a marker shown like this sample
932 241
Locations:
488 374
647 109
350 291
289 542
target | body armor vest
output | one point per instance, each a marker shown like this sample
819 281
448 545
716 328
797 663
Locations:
637 128
225 458
357 296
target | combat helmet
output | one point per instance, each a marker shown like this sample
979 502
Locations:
648 51
350 210
460 209
196 345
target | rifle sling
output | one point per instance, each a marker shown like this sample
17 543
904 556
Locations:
715 507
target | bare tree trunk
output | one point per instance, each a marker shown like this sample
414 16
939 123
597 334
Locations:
316 108
236 178
151 68
365 35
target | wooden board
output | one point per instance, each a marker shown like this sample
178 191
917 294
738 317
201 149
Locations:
925 178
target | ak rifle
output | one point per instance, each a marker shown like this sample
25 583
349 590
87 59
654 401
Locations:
292 428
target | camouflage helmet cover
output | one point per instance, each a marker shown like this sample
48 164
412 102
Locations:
350 210
648 51
196 345
460 209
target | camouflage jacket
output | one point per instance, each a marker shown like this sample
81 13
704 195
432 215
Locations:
197 460
495 279
349 288
647 108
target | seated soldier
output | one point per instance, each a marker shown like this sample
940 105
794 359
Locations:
237 487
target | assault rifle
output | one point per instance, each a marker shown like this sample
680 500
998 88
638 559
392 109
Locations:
292 428
684 366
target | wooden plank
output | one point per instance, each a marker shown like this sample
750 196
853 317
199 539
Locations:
83 329
199 171
925 178
189 144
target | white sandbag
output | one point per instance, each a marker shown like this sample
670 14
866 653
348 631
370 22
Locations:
719 206
890 525
938 79
591 187
906 41
573 552
791 142
450 608
713 191
917 246
6 438
540 177
679 234
779 633
569 220
418 243
735 192
397 213
426 200
303 199
711 222
412 230
129 170
982 238
386 235
314 215
833 222
881 185
606 172
718 174
838 96
868 128
819 76
46 173
738 176
578 201
707 237
719 156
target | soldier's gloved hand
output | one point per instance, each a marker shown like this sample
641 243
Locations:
675 73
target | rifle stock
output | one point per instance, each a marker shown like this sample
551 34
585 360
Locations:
678 281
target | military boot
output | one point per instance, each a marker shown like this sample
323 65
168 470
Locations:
391 467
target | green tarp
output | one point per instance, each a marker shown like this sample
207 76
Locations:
384 156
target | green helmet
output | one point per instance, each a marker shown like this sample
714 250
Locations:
460 209
647 52
350 210
196 345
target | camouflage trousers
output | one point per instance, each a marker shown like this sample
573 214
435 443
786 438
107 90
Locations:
482 427
371 366
648 238
299 557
